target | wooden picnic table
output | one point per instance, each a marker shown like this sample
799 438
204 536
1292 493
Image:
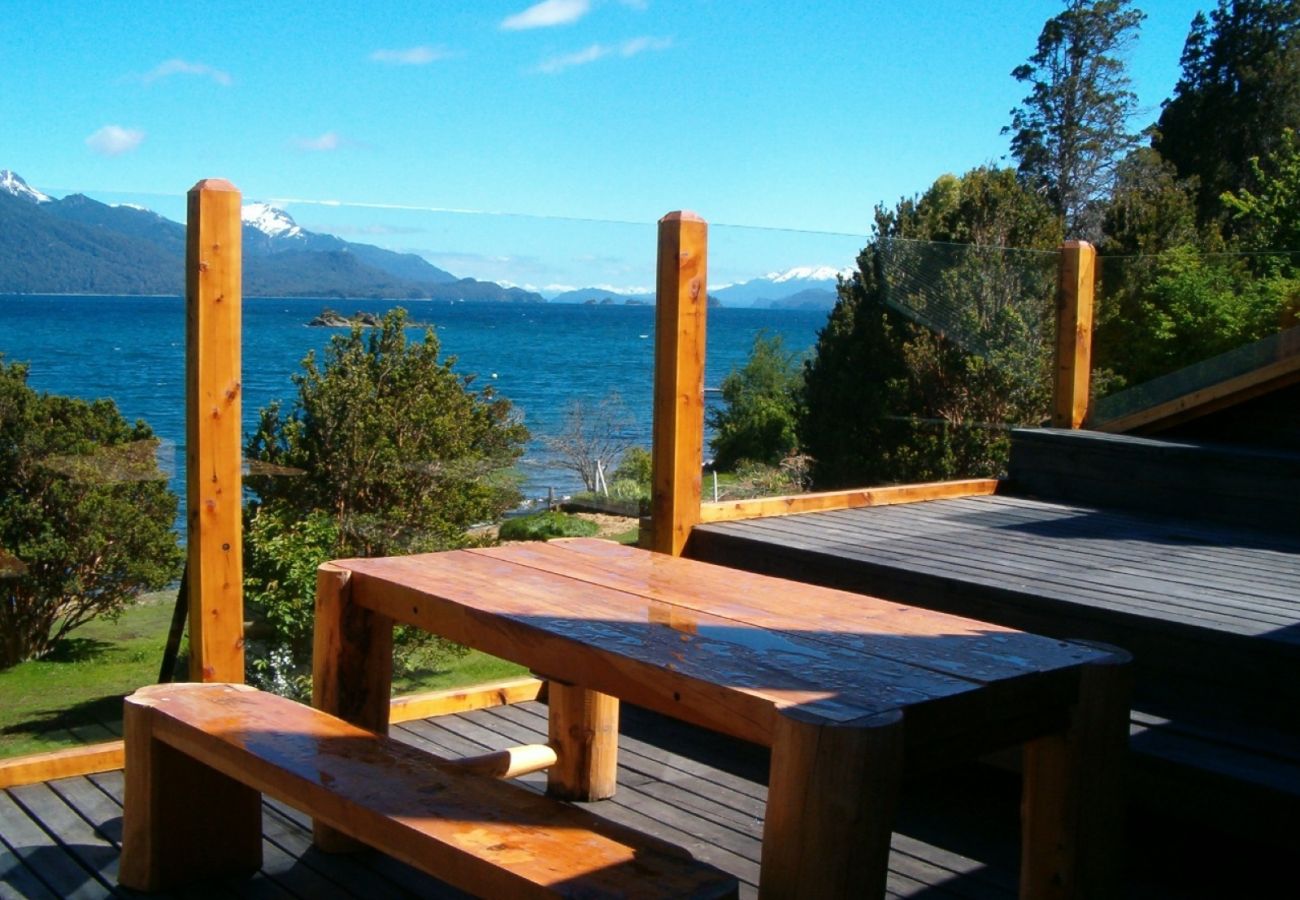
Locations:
849 691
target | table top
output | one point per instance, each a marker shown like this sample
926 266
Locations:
721 647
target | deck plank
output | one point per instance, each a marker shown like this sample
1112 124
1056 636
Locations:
1108 568
956 837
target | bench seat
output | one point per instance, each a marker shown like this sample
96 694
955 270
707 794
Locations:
198 757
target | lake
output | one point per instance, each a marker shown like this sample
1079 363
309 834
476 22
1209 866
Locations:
542 357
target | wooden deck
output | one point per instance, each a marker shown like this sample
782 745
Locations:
1055 568
957 834
1211 613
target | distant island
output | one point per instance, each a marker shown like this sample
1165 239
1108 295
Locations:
328 318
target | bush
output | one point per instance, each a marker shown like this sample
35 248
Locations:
759 419
385 451
85 515
543 526
635 466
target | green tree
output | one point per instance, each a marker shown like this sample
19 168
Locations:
1268 218
85 515
391 442
759 418
887 398
1072 128
1240 87
386 450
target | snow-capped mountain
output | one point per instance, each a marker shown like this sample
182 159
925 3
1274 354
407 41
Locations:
90 247
272 222
12 183
810 282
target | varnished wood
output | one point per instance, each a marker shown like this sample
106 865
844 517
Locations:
352 671
832 796
108 755
677 454
462 699
1072 806
36 767
352 652
1278 374
584 733
762 507
182 819
1074 301
480 835
213 389
509 763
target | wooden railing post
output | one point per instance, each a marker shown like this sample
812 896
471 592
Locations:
1073 334
212 436
678 452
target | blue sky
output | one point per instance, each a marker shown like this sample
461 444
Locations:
774 114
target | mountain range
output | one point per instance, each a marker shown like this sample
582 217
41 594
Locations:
803 287
79 245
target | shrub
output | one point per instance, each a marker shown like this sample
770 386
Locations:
85 515
393 453
543 526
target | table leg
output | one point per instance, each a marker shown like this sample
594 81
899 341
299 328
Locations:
832 796
352 670
583 729
1072 805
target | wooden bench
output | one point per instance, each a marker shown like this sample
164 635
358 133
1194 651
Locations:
199 756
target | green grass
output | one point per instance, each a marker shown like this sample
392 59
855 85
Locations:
75 695
70 696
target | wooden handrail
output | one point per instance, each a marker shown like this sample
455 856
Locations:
762 507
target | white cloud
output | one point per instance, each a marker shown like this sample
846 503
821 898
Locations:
600 51
547 14
114 140
411 56
326 142
182 67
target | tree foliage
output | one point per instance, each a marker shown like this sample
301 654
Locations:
85 515
887 399
1073 127
386 450
759 419
391 442
1240 87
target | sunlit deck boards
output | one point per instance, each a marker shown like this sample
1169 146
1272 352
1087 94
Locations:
62 839
1046 567
957 835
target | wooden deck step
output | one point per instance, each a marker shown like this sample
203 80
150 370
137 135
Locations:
1241 486
485 836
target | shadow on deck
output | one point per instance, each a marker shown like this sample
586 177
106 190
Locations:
957 835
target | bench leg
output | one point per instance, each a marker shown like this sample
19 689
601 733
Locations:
1072 804
352 671
583 729
832 797
182 821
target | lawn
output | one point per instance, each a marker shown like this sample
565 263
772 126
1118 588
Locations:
75 695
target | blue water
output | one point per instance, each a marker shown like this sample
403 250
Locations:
541 357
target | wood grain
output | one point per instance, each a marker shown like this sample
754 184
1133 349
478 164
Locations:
483 836
761 507
1074 301
584 733
213 390
677 454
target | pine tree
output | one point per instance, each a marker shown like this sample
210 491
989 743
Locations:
1073 127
